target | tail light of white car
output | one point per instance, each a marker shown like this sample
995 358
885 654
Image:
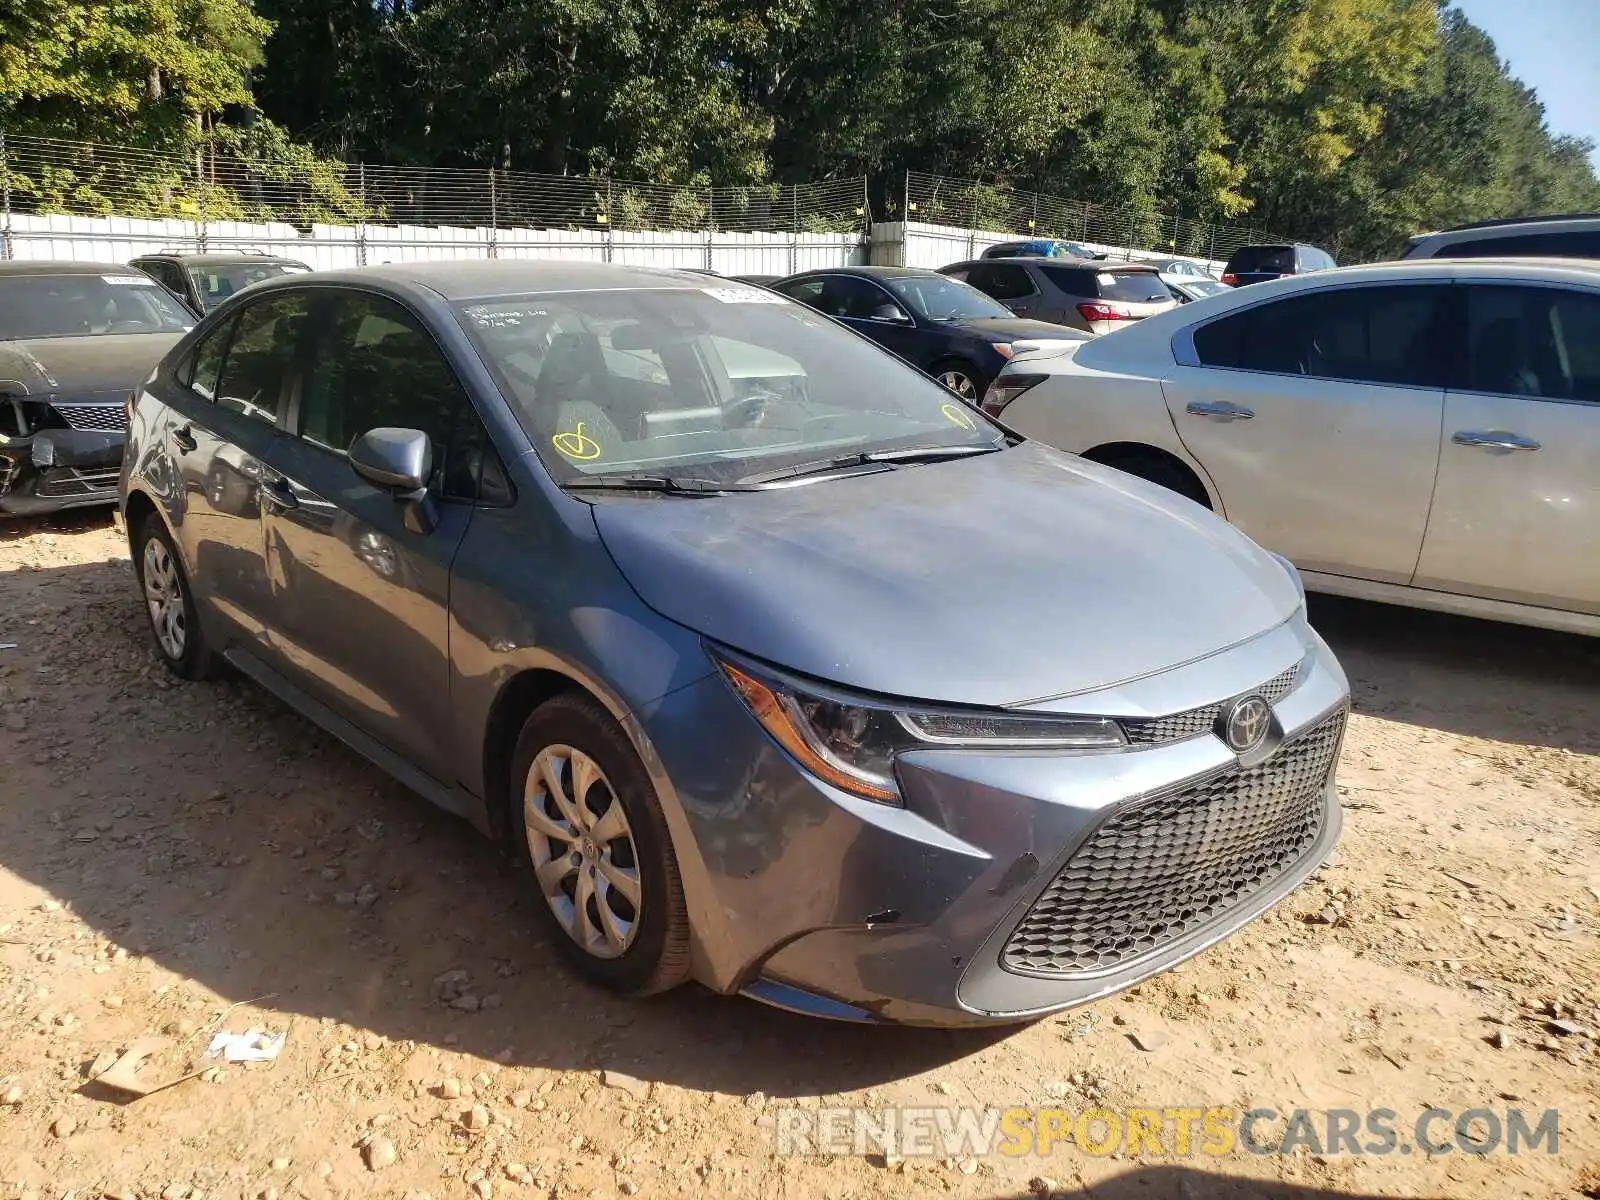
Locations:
1005 389
1231 279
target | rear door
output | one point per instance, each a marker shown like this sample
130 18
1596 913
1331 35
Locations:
360 592
237 381
1514 509
1317 418
1008 283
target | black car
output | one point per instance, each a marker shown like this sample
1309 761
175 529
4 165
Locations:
203 281
1257 264
950 330
75 340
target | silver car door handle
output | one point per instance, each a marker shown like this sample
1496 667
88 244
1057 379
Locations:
278 494
1221 410
1493 439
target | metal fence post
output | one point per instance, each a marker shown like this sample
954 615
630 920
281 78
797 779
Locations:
200 198
494 218
5 200
711 224
1211 251
608 239
361 220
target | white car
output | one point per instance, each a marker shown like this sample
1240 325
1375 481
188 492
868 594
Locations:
1421 432
1186 289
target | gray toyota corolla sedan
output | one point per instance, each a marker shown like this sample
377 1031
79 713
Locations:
783 669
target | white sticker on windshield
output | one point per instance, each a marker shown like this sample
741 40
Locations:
744 295
1105 280
129 280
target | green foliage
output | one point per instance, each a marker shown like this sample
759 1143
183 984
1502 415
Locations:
1353 123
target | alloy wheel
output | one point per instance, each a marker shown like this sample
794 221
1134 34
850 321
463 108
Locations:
583 850
960 383
163 593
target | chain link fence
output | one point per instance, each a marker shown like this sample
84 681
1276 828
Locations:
968 205
215 200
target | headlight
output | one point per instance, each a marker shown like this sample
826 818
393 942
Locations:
1005 389
852 743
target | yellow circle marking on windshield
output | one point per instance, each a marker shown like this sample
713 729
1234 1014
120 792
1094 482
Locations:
957 417
576 444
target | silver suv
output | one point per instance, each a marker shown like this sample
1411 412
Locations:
1573 236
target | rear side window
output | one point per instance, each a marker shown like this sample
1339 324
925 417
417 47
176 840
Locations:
1003 281
1533 341
261 355
1132 287
1576 244
1075 281
1365 335
1251 260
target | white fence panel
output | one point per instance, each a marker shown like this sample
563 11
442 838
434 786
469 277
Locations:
913 244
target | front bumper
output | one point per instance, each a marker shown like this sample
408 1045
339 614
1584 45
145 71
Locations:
58 469
823 903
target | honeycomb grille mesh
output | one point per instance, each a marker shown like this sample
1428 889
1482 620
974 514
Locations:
1195 721
107 418
1169 865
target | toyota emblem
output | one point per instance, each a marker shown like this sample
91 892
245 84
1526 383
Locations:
1245 723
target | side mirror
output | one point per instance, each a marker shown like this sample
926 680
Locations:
399 460
891 312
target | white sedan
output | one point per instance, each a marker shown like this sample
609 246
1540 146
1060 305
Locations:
1421 432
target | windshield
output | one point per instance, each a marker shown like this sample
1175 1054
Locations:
712 383
81 305
940 298
1132 287
1205 287
214 284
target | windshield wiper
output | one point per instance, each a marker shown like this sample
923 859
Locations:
670 484
867 458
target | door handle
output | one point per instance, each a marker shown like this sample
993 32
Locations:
278 494
1220 410
184 440
1494 439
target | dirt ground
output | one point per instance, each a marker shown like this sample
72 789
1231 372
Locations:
175 859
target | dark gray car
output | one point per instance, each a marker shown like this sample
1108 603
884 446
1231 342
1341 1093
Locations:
204 280
666 583
75 339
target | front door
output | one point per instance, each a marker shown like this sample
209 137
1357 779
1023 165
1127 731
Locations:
360 593
217 436
1317 418
1516 511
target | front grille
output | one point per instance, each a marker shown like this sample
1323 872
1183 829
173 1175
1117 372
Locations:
1195 721
1168 865
70 481
107 418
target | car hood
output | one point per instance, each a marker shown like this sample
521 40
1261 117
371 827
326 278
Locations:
1001 329
997 580
76 367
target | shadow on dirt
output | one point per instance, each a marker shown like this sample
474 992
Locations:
1479 678
1182 1183
215 833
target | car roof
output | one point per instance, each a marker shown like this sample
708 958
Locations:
870 272
1032 260
1503 222
46 266
217 258
480 279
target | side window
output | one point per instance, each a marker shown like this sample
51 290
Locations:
1007 281
807 291
1576 244
205 365
261 355
1074 281
172 275
962 273
374 365
1364 335
847 296
1533 341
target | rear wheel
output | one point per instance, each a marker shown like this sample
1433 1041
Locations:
180 642
1156 468
593 834
960 377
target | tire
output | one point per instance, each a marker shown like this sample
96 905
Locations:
633 947
951 369
175 629
1173 476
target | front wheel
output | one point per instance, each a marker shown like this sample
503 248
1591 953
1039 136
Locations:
169 603
593 833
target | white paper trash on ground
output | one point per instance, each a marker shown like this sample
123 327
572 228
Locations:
253 1045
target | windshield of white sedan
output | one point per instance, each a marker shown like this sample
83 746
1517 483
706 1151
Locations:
940 298
82 305
710 384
